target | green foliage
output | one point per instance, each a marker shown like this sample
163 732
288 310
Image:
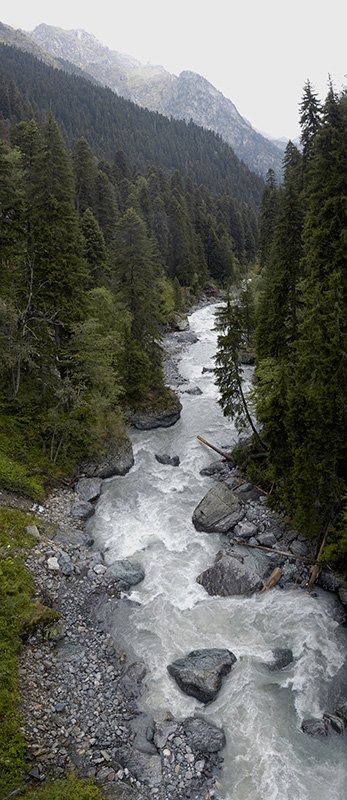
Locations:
70 788
16 588
15 477
302 327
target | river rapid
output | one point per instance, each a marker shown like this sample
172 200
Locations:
146 516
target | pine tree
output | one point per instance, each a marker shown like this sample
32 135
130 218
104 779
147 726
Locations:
137 279
85 170
310 120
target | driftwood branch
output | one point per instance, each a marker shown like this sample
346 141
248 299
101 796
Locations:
271 550
216 449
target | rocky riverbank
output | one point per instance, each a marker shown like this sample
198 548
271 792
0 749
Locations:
80 691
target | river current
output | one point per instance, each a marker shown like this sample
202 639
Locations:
146 516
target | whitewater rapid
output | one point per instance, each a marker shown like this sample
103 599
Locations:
146 516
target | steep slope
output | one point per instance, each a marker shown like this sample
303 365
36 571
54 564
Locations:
111 123
188 96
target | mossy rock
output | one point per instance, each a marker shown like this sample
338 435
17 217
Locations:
41 618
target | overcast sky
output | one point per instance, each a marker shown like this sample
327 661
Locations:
257 52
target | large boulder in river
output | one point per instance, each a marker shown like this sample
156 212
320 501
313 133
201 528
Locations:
281 658
124 574
203 736
315 727
200 673
229 576
80 509
218 511
171 461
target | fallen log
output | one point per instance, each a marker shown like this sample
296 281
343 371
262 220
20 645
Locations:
317 567
216 449
272 550
273 580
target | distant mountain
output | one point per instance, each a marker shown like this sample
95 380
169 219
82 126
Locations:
31 88
24 41
188 96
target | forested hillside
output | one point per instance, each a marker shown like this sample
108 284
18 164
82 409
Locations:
301 328
95 258
111 123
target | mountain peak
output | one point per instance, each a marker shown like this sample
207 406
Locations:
189 96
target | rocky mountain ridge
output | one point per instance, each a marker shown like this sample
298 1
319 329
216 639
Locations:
188 96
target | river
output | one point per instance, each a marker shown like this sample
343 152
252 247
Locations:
146 515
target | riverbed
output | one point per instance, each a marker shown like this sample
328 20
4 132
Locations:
146 516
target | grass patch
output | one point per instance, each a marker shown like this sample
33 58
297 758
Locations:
66 789
16 588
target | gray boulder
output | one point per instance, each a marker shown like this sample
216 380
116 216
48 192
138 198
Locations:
219 511
124 574
200 673
89 488
282 656
341 711
172 461
229 576
73 536
203 736
181 323
143 728
298 548
207 369
80 509
315 727
193 390
245 530
267 539
331 581
218 470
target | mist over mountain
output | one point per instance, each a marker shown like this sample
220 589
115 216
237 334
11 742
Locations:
188 96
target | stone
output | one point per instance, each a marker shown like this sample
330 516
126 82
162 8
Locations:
143 727
180 323
331 581
99 569
73 536
89 488
200 673
172 461
125 574
203 737
53 564
33 530
267 539
228 577
207 369
81 509
163 731
217 469
194 390
219 511
282 656
245 530
298 548
343 595
315 727
341 711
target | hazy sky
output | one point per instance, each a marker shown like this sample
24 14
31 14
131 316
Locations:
257 52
